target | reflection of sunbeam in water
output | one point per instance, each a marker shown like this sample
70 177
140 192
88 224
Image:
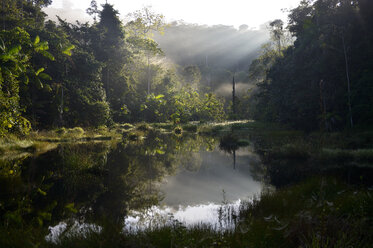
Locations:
195 197
214 215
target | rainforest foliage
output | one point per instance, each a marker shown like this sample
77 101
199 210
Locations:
315 73
63 74
324 80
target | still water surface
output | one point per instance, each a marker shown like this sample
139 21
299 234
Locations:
196 196
132 184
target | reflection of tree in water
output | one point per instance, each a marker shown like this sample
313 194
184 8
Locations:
92 182
230 144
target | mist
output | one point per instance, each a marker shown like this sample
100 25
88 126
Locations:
67 13
211 46
219 51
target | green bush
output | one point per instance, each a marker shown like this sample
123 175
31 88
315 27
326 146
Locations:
75 132
61 131
100 113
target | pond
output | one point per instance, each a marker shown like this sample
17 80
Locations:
131 184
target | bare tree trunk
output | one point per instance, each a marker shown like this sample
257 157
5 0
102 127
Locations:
348 83
60 109
148 73
234 159
323 106
234 98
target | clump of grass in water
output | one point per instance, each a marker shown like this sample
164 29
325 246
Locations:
13 143
76 132
143 127
190 127
127 126
133 136
165 126
61 131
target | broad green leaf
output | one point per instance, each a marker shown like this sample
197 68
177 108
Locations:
27 80
42 192
39 84
158 151
68 49
48 55
5 57
45 216
22 67
45 76
70 207
159 96
38 71
48 88
37 40
14 50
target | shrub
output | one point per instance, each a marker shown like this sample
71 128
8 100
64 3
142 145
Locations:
75 132
61 131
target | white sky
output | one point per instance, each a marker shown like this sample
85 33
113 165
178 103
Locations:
210 12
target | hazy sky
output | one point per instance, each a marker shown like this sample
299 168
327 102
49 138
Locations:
210 12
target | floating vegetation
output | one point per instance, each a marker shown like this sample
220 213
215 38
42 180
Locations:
143 126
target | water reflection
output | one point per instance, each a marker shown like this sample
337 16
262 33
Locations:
206 214
93 184
196 196
215 174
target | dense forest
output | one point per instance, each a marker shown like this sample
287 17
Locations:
324 80
314 73
91 74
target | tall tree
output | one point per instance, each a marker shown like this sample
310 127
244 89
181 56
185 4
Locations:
142 27
110 49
